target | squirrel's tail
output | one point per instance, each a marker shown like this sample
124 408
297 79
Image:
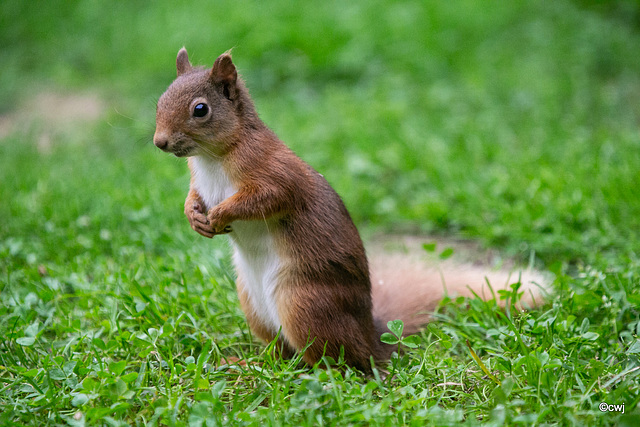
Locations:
407 288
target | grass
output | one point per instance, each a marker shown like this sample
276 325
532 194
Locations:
512 124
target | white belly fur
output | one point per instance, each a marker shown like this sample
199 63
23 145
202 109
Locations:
254 252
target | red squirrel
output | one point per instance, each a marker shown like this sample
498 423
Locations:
302 270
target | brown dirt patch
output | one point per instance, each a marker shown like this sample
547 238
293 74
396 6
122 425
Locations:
52 113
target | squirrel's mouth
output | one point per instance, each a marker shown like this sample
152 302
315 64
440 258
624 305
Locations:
179 149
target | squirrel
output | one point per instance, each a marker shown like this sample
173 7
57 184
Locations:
302 271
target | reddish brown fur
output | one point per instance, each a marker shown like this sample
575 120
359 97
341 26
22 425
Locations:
324 289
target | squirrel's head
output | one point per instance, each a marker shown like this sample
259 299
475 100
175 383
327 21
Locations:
202 110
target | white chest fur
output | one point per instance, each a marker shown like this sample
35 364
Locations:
255 255
211 181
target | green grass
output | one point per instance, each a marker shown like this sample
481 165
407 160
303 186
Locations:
514 124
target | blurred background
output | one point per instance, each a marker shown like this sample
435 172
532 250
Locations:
511 123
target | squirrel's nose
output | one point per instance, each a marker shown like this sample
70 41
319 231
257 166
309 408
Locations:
161 140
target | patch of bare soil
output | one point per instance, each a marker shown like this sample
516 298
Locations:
52 113
465 251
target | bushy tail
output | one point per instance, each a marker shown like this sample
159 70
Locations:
408 288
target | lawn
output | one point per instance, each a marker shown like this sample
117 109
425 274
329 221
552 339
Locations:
514 126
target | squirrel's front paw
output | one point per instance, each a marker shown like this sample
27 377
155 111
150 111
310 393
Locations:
195 213
217 222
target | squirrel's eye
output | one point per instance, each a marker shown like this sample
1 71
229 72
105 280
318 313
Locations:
200 110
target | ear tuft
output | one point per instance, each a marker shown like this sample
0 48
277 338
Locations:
224 71
182 62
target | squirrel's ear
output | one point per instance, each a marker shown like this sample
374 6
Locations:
182 62
224 71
